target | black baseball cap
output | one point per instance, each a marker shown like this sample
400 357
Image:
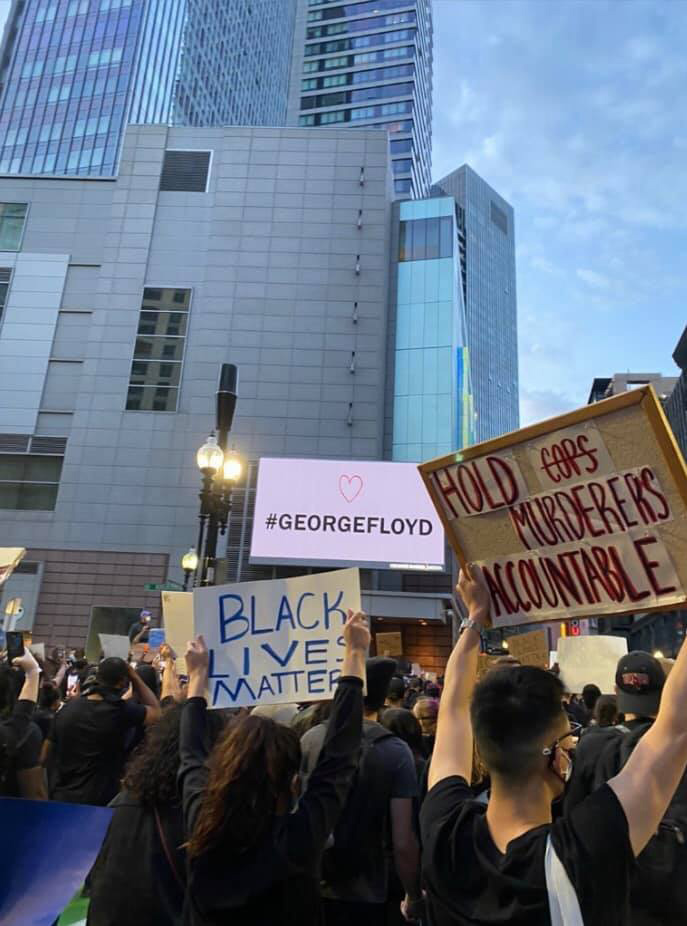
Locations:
639 679
397 687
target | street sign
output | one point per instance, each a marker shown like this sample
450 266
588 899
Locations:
163 586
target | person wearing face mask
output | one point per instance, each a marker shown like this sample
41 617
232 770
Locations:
510 862
90 735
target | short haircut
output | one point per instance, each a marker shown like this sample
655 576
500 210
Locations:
112 672
515 711
590 695
48 695
606 710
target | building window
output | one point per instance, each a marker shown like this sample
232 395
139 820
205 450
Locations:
185 171
159 350
426 239
499 218
12 218
5 276
29 483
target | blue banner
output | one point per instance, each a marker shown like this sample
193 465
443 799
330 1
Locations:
46 851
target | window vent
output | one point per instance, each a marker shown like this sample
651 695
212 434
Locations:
48 445
14 443
499 218
5 274
185 171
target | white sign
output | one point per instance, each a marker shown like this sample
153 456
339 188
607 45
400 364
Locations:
275 642
339 512
115 644
590 661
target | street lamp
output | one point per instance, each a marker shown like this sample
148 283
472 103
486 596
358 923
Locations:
189 563
221 469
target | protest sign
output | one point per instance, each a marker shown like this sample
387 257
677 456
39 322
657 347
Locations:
582 515
114 645
389 644
530 649
275 642
10 557
156 637
177 617
39 875
590 661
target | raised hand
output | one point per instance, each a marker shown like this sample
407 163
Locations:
357 631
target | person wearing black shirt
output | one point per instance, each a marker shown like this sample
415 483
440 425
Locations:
590 748
20 738
139 632
508 863
91 734
251 860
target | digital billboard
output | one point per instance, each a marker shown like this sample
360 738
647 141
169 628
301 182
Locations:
343 512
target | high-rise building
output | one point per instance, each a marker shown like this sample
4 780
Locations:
430 402
369 65
486 235
75 72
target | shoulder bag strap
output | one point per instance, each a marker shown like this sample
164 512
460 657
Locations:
564 906
168 855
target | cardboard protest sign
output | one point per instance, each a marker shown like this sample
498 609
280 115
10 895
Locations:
10 557
389 644
114 645
275 642
590 661
39 875
581 515
177 617
530 649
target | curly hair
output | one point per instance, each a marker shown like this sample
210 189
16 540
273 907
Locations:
151 774
250 771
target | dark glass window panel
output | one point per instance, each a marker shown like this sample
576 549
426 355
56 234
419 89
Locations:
12 217
150 398
152 347
25 468
27 497
402 252
446 232
162 323
432 243
154 373
419 247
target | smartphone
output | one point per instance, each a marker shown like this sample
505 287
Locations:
15 644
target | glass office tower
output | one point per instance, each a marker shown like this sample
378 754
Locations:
487 252
75 72
369 64
433 413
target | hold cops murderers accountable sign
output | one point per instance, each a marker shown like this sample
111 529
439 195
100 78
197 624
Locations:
275 642
583 514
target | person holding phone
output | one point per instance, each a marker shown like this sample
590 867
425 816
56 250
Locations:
21 774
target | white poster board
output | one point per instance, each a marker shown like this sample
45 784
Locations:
275 642
114 644
590 660
177 618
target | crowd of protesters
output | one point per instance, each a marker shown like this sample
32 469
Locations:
507 800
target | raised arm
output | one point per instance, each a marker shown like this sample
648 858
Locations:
193 745
648 781
145 696
453 745
170 679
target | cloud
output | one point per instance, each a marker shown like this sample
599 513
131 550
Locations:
541 263
539 404
593 279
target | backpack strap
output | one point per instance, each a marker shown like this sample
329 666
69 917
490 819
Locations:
168 855
564 907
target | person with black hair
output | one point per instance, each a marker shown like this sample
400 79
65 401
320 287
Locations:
590 748
252 858
590 695
20 738
355 883
140 873
91 734
508 862
49 703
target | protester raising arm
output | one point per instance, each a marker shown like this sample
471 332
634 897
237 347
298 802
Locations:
648 781
23 735
453 749
170 680
145 697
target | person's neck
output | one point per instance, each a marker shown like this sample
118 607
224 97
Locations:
371 716
629 717
516 809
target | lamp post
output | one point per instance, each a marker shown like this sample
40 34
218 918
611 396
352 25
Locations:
220 469
189 563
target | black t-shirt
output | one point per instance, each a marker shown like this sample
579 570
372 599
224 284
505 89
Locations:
90 740
469 882
24 754
136 628
587 756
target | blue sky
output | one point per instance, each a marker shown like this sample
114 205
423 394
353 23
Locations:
576 112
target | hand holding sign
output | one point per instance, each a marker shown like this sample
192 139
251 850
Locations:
473 590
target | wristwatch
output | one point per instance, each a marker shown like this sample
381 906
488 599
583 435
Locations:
469 623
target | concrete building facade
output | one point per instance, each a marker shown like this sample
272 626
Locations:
131 291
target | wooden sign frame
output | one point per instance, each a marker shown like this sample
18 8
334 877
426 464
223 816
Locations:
644 398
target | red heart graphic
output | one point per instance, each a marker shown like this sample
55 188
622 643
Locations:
350 487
